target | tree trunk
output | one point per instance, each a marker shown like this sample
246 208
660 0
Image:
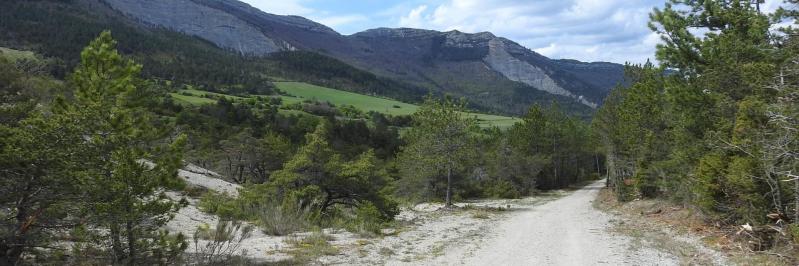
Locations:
796 200
116 242
11 251
328 200
240 174
9 254
596 160
131 243
449 187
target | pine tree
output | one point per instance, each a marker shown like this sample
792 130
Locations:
317 178
440 142
39 182
127 167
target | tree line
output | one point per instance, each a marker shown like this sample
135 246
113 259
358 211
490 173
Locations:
715 124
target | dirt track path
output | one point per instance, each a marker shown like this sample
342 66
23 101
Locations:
566 231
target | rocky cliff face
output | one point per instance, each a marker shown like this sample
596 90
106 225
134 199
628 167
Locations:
469 65
517 70
185 16
433 52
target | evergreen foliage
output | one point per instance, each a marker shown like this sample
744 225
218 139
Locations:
317 178
440 143
715 124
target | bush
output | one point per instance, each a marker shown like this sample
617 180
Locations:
219 204
219 245
501 189
794 232
368 220
311 247
279 221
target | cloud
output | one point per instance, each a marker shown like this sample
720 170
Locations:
337 21
588 30
281 7
414 19
307 9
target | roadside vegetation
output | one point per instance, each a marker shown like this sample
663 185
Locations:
88 161
715 125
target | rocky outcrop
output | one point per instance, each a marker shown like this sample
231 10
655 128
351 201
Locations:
223 29
517 70
404 33
465 40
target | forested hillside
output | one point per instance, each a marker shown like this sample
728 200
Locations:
57 29
715 124
95 143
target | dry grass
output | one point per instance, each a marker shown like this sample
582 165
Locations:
308 248
639 217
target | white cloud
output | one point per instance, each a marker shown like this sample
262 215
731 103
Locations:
336 21
588 30
301 8
281 7
414 18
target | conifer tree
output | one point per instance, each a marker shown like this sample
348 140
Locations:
127 166
39 182
440 142
318 178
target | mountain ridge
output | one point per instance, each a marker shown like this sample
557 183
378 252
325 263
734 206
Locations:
479 66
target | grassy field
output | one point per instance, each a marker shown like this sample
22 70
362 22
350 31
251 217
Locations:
192 100
200 93
15 55
196 97
302 91
298 92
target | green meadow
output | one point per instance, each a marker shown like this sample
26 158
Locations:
15 55
299 91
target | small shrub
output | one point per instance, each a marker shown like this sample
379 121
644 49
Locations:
503 189
220 244
480 214
367 221
278 221
311 247
794 231
219 204
195 191
385 251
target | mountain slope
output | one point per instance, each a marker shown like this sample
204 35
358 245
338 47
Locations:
404 64
60 30
491 71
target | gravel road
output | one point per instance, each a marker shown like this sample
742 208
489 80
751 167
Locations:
566 231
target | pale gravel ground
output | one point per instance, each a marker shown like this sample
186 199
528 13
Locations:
542 230
259 247
430 230
197 176
566 231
